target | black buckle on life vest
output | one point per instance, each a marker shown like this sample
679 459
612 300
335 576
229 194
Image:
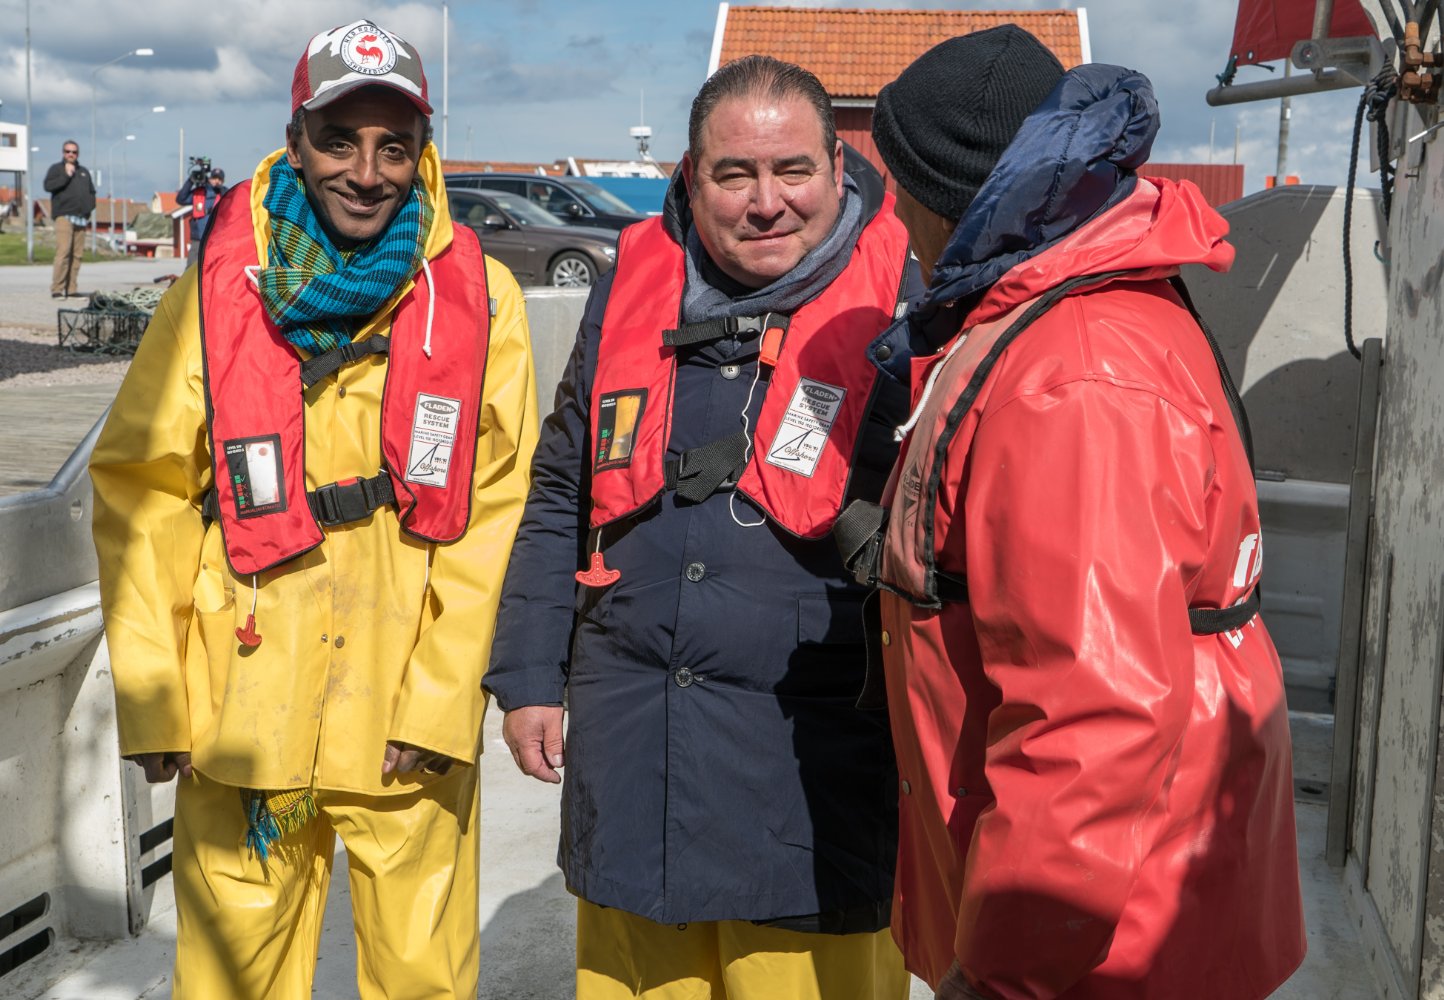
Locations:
315 369
350 500
702 471
712 330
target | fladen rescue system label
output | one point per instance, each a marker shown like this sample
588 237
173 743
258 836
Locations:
254 467
433 435
797 445
618 416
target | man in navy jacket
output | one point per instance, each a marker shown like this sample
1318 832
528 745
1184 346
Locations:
728 813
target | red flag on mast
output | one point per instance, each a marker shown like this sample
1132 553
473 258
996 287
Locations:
1266 30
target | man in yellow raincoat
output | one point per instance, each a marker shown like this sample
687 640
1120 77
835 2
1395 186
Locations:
305 499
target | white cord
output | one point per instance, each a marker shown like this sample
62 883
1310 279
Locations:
253 271
917 413
254 592
747 452
426 584
430 305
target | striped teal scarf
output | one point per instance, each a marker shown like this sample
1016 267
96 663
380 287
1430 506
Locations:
318 295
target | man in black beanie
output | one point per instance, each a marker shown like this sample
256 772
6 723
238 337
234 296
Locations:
1087 708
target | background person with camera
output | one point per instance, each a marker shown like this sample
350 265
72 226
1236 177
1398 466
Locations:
202 189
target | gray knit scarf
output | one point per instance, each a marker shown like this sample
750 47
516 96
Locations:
822 264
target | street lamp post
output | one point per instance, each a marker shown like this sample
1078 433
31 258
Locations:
125 216
110 177
93 77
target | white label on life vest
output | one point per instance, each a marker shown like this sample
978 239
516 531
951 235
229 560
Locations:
800 438
433 434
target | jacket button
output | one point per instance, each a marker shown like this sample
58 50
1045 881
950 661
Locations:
883 352
324 637
886 638
730 371
695 571
341 392
340 641
906 788
684 677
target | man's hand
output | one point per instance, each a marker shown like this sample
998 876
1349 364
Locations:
70 172
534 736
955 987
162 767
405 757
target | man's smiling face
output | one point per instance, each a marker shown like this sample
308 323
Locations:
358 156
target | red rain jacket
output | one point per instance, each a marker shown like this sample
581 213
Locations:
1096 802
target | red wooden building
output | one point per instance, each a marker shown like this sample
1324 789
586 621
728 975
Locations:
855 52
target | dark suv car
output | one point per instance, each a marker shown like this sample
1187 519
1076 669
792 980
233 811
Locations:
537 247
574 200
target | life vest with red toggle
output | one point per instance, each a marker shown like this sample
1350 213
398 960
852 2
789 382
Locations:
814 372
256 410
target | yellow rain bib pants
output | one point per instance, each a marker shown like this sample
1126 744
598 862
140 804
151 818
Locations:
621 956
250 930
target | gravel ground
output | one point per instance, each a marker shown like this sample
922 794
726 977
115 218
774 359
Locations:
29 356
29 350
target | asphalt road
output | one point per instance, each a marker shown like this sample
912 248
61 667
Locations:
25 290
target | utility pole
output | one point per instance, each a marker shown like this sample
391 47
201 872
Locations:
1281 169
1235 143
29 156
445 71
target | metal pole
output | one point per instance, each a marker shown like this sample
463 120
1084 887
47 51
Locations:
29 156
1235 144
445 71
1323 17
1282 166
92 146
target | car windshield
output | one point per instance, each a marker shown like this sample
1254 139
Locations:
599 199
522 210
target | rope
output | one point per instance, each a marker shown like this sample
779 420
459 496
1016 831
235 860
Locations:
1374 102
136 300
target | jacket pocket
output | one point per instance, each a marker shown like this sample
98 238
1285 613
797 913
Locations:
208 667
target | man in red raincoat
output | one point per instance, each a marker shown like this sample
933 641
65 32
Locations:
1088 710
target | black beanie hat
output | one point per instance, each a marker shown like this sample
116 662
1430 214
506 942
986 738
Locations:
944 122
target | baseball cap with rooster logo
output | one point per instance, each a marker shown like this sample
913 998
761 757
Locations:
358 54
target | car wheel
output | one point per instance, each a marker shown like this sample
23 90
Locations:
573 270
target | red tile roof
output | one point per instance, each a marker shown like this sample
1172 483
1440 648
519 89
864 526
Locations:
855 52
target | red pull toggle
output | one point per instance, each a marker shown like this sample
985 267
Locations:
598 575
771 349
248 635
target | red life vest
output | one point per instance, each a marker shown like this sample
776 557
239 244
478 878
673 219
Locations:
430 411
816 398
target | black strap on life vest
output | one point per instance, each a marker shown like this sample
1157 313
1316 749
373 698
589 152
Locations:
702 471
333 504
315 369
860 528
350 500
712 330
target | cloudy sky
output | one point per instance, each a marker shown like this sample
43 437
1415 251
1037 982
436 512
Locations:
538 79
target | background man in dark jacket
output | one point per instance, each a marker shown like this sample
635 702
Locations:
728 816
202 198
72 199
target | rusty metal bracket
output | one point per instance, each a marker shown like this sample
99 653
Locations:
1418 69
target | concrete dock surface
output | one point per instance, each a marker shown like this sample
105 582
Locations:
527 917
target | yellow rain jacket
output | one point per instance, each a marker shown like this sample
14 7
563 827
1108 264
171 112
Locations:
372 636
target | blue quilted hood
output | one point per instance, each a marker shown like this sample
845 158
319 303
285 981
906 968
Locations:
1074 157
